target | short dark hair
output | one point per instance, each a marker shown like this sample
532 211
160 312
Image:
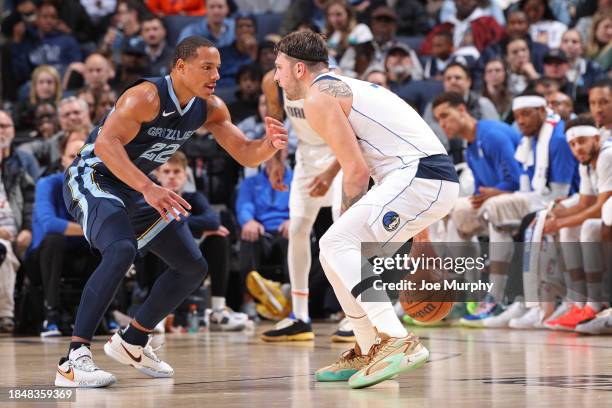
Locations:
513 38
189 47
454 99
583 120
458 65
603 83
304 46
151 17
529 92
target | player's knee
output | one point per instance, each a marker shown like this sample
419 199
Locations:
195 269
122 252
591 230
606 212
299 227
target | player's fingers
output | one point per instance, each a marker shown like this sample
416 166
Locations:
180 200
270 121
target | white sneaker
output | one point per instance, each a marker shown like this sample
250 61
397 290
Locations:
530 320
79 370
562 309
601 324
516 309
141 358
226 320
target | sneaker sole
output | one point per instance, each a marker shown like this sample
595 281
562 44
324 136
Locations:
61 381
292 337
118 357
399 363
342 339
329 376
258 289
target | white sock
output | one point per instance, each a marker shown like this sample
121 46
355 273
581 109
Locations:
383 317
594 295
577 292
299 305
499 286
364 332
298 260
217 303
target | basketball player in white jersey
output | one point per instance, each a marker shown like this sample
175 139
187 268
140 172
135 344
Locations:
372 132
315 184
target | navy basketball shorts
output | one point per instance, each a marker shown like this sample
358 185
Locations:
108 210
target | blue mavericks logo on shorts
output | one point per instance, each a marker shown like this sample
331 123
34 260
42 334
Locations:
391 221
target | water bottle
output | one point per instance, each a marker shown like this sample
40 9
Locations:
193 320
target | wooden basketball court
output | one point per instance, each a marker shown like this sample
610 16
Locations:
468 368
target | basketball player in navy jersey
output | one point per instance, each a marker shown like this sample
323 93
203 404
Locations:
104 188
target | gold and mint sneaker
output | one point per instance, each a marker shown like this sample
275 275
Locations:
348 364
390 356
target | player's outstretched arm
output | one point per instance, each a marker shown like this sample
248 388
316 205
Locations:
276 172
136 106
247 152
326 116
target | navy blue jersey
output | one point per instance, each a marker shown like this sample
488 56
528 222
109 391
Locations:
158 139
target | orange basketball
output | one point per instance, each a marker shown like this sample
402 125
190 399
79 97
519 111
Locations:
427 312
426 305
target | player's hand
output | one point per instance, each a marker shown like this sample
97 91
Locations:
251 231
221 231
165 201
276 175
5 234
320 184
276 133
283 229
551 226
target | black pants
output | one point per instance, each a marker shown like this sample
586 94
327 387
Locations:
269 250
216 250
59 256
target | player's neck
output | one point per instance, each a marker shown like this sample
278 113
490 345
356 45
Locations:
183 94
469 131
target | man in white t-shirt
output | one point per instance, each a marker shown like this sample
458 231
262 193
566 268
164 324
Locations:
579 228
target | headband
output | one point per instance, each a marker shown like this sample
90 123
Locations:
581 131
531 101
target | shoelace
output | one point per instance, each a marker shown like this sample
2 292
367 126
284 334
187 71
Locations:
85 363
150 352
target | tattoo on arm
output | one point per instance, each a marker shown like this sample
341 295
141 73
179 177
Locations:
348 201
334 87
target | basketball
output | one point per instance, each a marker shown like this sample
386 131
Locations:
426 305
426 311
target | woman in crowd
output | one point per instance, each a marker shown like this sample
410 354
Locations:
521 70
495 87
599 48
45 87
341 27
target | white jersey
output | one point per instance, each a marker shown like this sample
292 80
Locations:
390 133
595 182
295 112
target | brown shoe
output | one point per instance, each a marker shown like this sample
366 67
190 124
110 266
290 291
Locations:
348 364
390 356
